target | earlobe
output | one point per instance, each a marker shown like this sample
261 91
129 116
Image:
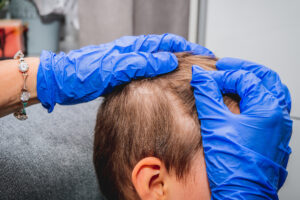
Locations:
148 178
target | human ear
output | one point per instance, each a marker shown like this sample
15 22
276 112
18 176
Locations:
148 178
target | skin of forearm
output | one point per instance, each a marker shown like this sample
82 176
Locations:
11 84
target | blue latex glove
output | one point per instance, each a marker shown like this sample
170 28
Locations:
85 74
246 155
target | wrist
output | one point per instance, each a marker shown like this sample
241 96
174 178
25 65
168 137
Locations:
12 82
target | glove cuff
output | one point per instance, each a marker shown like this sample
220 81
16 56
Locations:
45 81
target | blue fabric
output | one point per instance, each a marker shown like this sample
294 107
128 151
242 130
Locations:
246 155
87 73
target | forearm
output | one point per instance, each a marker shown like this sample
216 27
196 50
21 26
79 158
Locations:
11 84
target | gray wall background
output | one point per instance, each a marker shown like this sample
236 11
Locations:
110 19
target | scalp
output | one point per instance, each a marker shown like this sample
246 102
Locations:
149 117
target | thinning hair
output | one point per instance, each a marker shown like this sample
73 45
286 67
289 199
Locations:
149 117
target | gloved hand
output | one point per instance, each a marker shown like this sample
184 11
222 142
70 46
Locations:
85 74
246 155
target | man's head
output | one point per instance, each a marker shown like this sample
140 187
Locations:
147 138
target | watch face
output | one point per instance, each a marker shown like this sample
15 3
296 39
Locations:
23 67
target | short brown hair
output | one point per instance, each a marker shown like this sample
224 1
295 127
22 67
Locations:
150 117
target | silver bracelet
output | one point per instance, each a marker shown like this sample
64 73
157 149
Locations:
25 95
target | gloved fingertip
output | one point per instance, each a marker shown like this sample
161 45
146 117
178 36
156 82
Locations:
208 97
166 62
228 63
201 77
196 69
173 62
197 49
198 73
